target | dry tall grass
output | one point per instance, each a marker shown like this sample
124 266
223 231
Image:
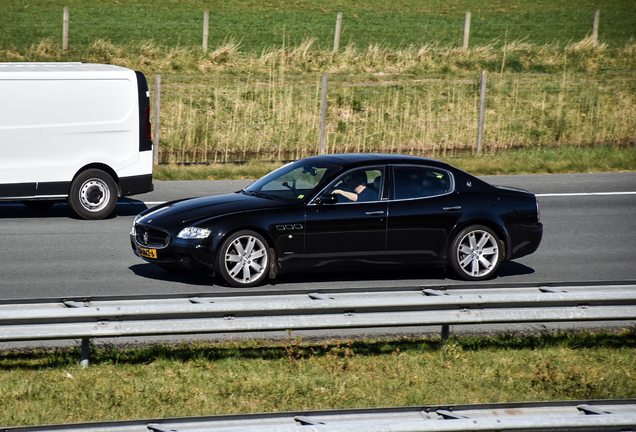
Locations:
278 117
227 104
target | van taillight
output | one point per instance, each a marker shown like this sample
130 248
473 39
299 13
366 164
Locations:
148 127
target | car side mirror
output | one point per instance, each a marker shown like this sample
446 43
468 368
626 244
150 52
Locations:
326 199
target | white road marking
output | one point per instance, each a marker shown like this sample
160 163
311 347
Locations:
585 194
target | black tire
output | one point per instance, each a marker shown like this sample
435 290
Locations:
475 253
93 194
243 259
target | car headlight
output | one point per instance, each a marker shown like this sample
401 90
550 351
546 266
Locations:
134 224
194 233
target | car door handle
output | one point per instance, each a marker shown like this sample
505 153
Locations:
375 213
452 208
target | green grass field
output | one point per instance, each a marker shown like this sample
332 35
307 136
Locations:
256 376
262 24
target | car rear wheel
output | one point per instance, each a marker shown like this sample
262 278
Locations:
93 194
474 253
243 259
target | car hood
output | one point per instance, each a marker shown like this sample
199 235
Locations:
193 210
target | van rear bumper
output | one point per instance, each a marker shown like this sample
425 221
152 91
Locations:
136 184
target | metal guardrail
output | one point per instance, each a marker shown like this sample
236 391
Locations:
562 416
101 318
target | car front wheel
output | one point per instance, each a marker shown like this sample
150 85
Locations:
243 259
474 253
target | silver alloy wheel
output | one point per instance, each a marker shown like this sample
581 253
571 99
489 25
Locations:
478 253
245 259
94 194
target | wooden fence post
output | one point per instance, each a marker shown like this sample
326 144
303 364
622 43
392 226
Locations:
323 115
595 27
466 30
157 120
65 29
482 111
336 38
206 27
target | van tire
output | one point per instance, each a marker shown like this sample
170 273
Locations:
93 194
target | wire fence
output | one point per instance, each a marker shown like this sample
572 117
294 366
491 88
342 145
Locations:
259 30
223 119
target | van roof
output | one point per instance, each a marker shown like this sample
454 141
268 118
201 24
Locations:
59 67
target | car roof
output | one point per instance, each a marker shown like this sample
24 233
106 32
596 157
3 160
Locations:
356 159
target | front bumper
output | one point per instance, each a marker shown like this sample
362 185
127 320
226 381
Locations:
192 255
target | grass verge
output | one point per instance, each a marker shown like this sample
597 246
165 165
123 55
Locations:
532 161
260 24
44 387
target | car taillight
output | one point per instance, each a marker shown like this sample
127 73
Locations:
148 126
538 213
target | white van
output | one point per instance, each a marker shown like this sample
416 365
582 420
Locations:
76 132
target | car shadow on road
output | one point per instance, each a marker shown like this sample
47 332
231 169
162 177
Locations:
512 268
506 269
416 275
16 210
357 275
154 272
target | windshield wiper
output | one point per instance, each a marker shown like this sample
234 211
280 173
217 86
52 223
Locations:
257 194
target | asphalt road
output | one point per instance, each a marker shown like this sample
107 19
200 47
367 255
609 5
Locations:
589 221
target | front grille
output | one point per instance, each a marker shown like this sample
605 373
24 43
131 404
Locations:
152 237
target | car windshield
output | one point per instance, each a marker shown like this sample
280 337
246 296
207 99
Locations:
293 182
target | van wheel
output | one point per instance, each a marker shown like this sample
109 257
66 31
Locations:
93 194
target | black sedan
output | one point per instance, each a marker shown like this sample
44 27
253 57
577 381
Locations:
341 211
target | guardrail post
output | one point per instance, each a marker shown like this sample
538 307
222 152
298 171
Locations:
85 352
445 332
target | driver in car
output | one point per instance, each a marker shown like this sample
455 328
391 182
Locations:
357 184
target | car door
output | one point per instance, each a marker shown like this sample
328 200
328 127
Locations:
423 210
346 231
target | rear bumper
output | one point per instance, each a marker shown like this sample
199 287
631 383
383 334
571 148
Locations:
136 185
525 240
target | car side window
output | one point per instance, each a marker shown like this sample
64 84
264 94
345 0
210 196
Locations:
418 182
363 185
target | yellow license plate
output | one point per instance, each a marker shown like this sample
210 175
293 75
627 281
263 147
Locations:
148 253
